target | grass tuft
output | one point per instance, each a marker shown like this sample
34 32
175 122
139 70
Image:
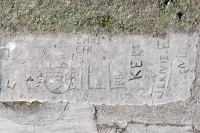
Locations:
22 105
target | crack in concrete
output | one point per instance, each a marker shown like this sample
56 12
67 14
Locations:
196 70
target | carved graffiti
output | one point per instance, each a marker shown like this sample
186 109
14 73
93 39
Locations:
89 40
136 63
99 68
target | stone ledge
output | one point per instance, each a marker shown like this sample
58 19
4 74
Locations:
133 70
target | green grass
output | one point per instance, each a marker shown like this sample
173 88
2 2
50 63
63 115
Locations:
92 16
22 105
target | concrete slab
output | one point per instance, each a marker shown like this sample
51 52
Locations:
139 128
49 118
8 126
98 69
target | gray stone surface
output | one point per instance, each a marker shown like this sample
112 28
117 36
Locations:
98 69
49 118
139 128
177 114
137 83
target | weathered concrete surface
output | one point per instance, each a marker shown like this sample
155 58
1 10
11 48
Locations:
177 114
98 69
153 81
139 128
195 91
49 118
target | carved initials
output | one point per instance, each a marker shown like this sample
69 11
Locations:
135 76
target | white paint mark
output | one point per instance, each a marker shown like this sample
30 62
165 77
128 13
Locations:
11 46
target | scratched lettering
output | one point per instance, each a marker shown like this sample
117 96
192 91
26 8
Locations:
89 40
99 68
89 50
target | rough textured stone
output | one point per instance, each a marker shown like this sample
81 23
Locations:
139 128
98 69
177 114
